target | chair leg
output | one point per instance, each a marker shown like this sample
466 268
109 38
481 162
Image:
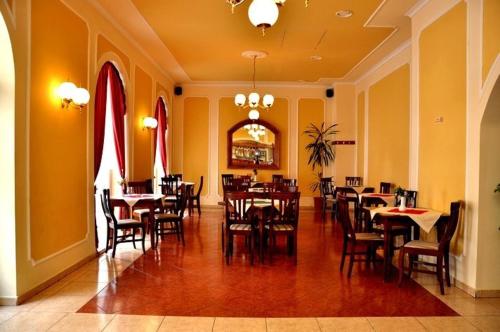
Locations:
143 240
351 260
198 205
439 272
115 243
344 253
251 248
108 233
447 269
133 238
411 259
401 265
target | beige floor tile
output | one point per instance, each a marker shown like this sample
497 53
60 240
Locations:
344 324
449 292
407 324
97 276
187 324
473 307
56 303
4 315
454 324
82 322
133 323
85 288
234 324
485 323
292 324
31 321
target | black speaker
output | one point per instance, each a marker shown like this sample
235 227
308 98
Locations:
330 93
178 90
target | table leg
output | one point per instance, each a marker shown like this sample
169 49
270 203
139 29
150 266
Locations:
387 250
151 221
261 238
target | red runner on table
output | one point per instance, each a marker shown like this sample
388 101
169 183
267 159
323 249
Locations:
380 195
408 211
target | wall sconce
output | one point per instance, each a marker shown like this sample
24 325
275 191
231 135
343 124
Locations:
71 95
149 123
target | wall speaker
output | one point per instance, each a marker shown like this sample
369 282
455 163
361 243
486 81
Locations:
178 90
329 93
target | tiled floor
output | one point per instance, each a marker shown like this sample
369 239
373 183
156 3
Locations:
55 308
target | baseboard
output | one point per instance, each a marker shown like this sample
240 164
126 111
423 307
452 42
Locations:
46 284
466 288
488 293
477 292
8 300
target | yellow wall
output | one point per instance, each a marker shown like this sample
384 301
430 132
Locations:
143 107
310 111
491 34
195 141
443 93
104 46
229 115
360 141
388 129
58 137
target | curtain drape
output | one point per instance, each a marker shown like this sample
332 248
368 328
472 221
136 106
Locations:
119 111
161 117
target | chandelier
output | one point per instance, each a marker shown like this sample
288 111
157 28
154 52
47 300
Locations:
254 104
255 130
263 14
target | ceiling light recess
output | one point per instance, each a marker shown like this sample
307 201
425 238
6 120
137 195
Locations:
345 13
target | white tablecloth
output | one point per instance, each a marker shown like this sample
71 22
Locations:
132 199
388 198
425 220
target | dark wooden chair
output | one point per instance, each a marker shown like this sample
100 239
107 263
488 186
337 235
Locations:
196 198
170 188
170 221
178 176
269 187
239 221
353 181
286 184
385 187
364 214
227 179
327 191
352 197
284 220
354 240
139 187
277 178
128 227
368 190
440 250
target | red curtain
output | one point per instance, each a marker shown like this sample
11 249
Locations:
109 72
161 117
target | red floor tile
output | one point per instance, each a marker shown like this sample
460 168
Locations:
195 281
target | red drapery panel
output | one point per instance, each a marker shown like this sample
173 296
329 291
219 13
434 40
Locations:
108 71
161 117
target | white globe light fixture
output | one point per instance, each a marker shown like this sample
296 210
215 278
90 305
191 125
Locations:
81 97
253 99
253 114
268 100
263 14
66 90
240 99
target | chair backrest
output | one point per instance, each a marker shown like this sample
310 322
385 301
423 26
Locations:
286 208
451 226
368 190
139 187
372 202
277 178
326 186
178 176
344 218
106 207
183 199
269 187
347 191
227 179
289 182
353 181
245 179
200 187
411 198
237 205
385 187
170 185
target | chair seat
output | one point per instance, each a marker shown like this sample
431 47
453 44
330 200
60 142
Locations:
241 227
330 199
380 227
126 222
419 244
171 198
282 227
140 212
166 216
368 237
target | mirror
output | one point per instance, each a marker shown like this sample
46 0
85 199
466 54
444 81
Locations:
253 145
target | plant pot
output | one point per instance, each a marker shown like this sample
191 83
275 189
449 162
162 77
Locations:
318 203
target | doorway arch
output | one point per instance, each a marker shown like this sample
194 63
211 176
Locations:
488 261
7 166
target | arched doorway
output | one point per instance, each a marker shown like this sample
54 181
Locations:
109 141
488 260
160 143
7 166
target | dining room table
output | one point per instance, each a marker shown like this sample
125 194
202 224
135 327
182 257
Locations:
423 218
147 201
390 199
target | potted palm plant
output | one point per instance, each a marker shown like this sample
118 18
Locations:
321 152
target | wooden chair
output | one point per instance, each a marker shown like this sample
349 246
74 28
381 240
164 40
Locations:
269 187
352 197
196 198
385 188
170 188
284 220
327 192
238 221
368 190
354 181
353 240
440 250
286 184
178 176
171 221
277 178
128 227
369 202
227 179
139 187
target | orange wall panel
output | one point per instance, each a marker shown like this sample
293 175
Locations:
143 107
491 34
104 45
58 137
361 134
